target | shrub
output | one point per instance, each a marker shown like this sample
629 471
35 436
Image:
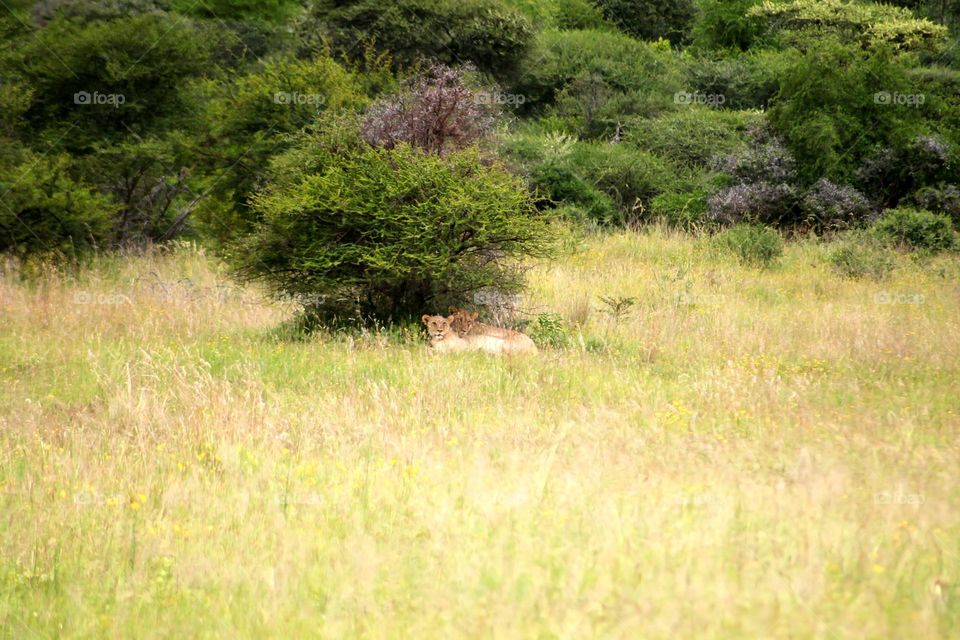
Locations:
911 228
562 185
858 258
549 330
944 199
631 178
642 78
754 245
487 33
746 81
436 112
686 210
397 231
765 159
108 59
46 210
831 207
692 136
244 122
864 24
891 174
758 202
829 111
651 19
724 24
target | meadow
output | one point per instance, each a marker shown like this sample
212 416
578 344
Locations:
738 453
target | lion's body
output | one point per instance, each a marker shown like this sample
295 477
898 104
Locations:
488 337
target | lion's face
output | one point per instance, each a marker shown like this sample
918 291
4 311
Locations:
462 321
438 327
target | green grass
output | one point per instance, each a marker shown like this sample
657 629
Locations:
747 453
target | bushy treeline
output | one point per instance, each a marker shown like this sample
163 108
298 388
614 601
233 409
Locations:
135 121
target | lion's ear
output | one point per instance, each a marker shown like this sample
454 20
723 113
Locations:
425 319
474 315
450 319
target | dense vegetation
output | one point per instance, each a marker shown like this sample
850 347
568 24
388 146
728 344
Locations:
136 121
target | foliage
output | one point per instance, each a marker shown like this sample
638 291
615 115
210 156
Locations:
394 230
640 78
911 228
651 19
725 24
435 111
630 177
692 136
44 209
487 33
835 106
860 257
549 330
890 174
757 202
100 81
867 24
831 207
943 199
245 120
682 209
561 184
754 245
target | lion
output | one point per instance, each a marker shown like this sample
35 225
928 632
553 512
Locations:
440 337
496 339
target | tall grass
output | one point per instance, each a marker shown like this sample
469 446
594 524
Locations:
742 453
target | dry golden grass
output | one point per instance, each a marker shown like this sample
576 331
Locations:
745 454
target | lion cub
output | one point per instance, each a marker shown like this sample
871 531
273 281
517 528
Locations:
440 337
490 338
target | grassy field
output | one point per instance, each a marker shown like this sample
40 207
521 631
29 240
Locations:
743 454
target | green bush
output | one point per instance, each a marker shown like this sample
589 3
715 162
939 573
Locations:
911 228
754 245
44 209
651 19
97 81
692 136
488 33
745 80
685 210
641 78
549 330
562 185
393 232
724 24
630 177
244 121
833 109
859 258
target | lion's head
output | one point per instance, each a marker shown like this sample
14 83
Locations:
438 327
462 321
